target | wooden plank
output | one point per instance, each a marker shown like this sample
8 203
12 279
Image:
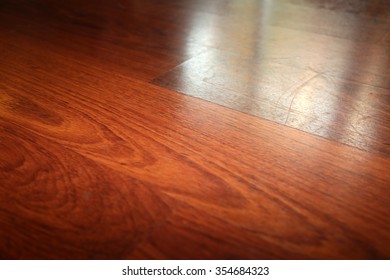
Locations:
98 163
141 152
320 102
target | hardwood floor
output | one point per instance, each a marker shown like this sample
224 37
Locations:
194 129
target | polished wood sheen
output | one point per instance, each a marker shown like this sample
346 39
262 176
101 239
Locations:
102 156
322 70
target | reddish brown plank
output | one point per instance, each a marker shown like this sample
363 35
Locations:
70 130
124 38
97 163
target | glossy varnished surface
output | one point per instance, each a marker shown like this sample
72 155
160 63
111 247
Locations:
321 69
98 159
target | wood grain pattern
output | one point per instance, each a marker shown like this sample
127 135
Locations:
97 162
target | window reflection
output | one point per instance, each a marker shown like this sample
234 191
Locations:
266 58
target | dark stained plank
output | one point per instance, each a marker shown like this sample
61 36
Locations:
115 37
